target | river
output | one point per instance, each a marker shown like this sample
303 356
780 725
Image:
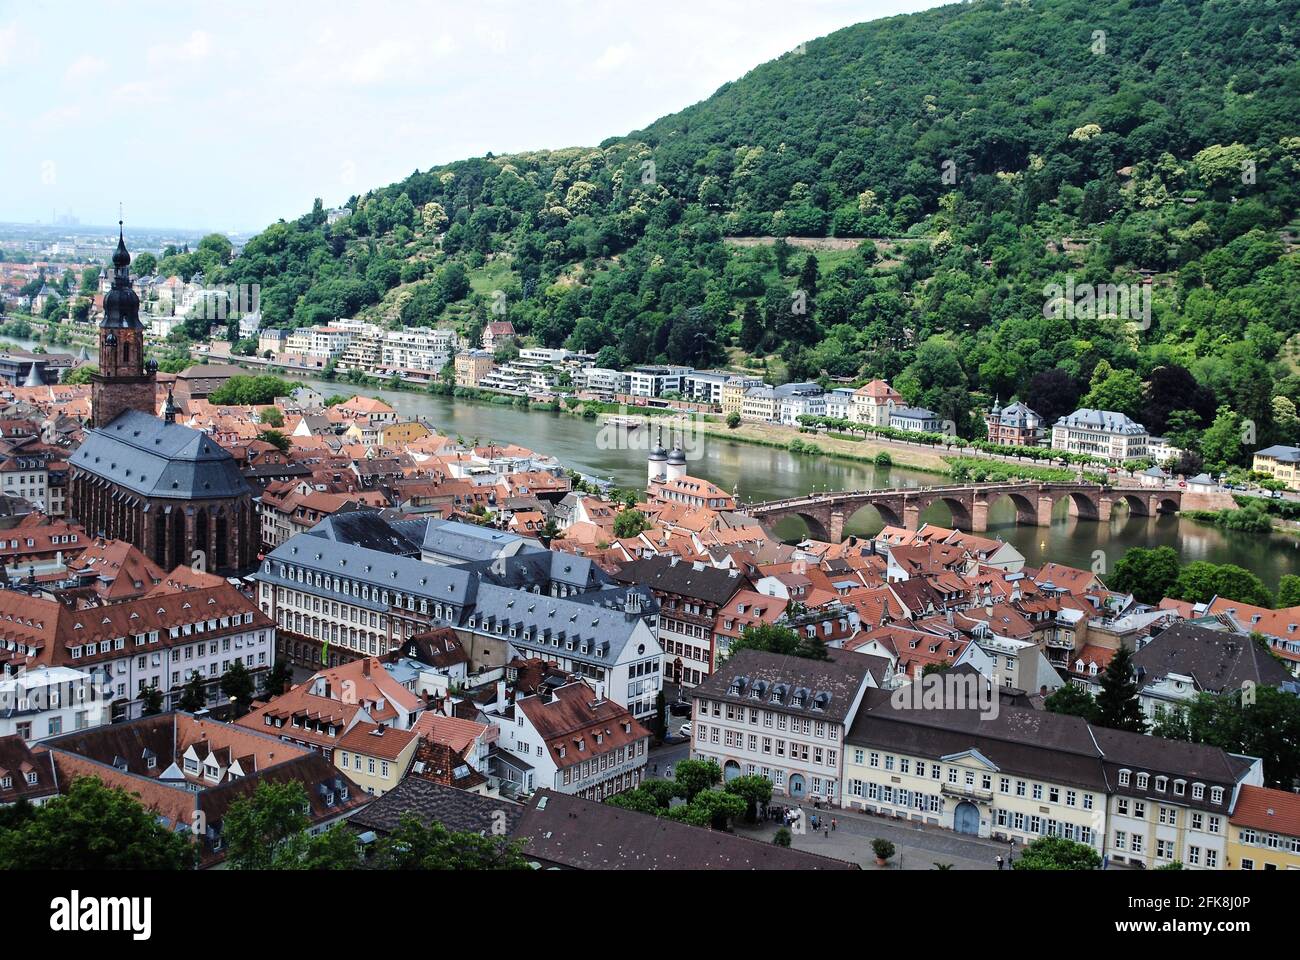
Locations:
765 473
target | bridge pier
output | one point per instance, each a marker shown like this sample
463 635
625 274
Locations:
837 526
911 515
1045 504
1104 507
979 515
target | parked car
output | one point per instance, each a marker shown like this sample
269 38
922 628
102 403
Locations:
685 729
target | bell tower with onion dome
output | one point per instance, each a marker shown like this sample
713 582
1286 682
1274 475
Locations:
125 380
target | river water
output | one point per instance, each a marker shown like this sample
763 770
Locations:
765 473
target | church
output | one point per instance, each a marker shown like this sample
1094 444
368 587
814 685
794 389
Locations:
171 491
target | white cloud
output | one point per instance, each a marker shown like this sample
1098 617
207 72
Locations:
8 44
193 49
83 68
614 56
396 60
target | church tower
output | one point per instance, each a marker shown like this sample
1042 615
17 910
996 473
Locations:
125 381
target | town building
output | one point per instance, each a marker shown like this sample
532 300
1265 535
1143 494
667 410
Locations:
167 489
1015 425
472 366
691 597
159 640
914 420
1264 830
1280 462
376 756
1100 433
872 403
574 740
781 717
188 772
25 774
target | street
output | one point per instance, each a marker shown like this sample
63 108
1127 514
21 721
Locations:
917 847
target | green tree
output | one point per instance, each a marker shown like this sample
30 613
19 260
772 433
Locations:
276 439
151 701
1200 581
94 827
694 776
1288 591
754 790
1221 441
194 696
733 420
1057 853
1117 702
774 638
81 375
1148 574
414 846
260 831
274 680
629 523
1074 701
1268 728
237 685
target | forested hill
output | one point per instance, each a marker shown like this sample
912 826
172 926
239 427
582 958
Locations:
979 151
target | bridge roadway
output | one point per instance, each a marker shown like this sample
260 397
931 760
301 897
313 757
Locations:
825 514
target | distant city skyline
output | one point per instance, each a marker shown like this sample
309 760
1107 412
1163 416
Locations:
231 116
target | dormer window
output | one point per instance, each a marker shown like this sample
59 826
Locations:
1142 780
1124 778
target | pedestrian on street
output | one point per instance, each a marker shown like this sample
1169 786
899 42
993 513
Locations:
834 823
999 861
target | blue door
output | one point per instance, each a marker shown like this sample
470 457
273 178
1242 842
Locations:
796 785
730 771
966 818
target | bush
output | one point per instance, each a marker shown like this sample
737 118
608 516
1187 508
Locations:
882 848
782 838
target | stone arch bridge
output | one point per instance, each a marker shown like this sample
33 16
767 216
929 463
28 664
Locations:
825 514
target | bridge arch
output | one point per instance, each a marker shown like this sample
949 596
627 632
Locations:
1167 504
1026 508
1078 504
889 515
1138 506
816 529
957 509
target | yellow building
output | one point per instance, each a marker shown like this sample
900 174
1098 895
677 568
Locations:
376 757
1280 463
1264 830
733 392
398 434
999 777
472 366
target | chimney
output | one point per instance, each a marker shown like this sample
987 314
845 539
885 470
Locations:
365 667
501 694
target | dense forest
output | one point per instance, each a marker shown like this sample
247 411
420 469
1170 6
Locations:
966 164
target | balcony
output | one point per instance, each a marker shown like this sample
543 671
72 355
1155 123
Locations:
966 793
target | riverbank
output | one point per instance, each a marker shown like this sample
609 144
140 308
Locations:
859 451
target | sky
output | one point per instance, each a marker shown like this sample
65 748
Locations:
229 115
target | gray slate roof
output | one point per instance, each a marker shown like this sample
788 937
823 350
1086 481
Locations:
1217 660
366 529
158 459
430 803
1108 421
451 542
829 688
373 567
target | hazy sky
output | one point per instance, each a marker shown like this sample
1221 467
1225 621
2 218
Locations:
232 114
